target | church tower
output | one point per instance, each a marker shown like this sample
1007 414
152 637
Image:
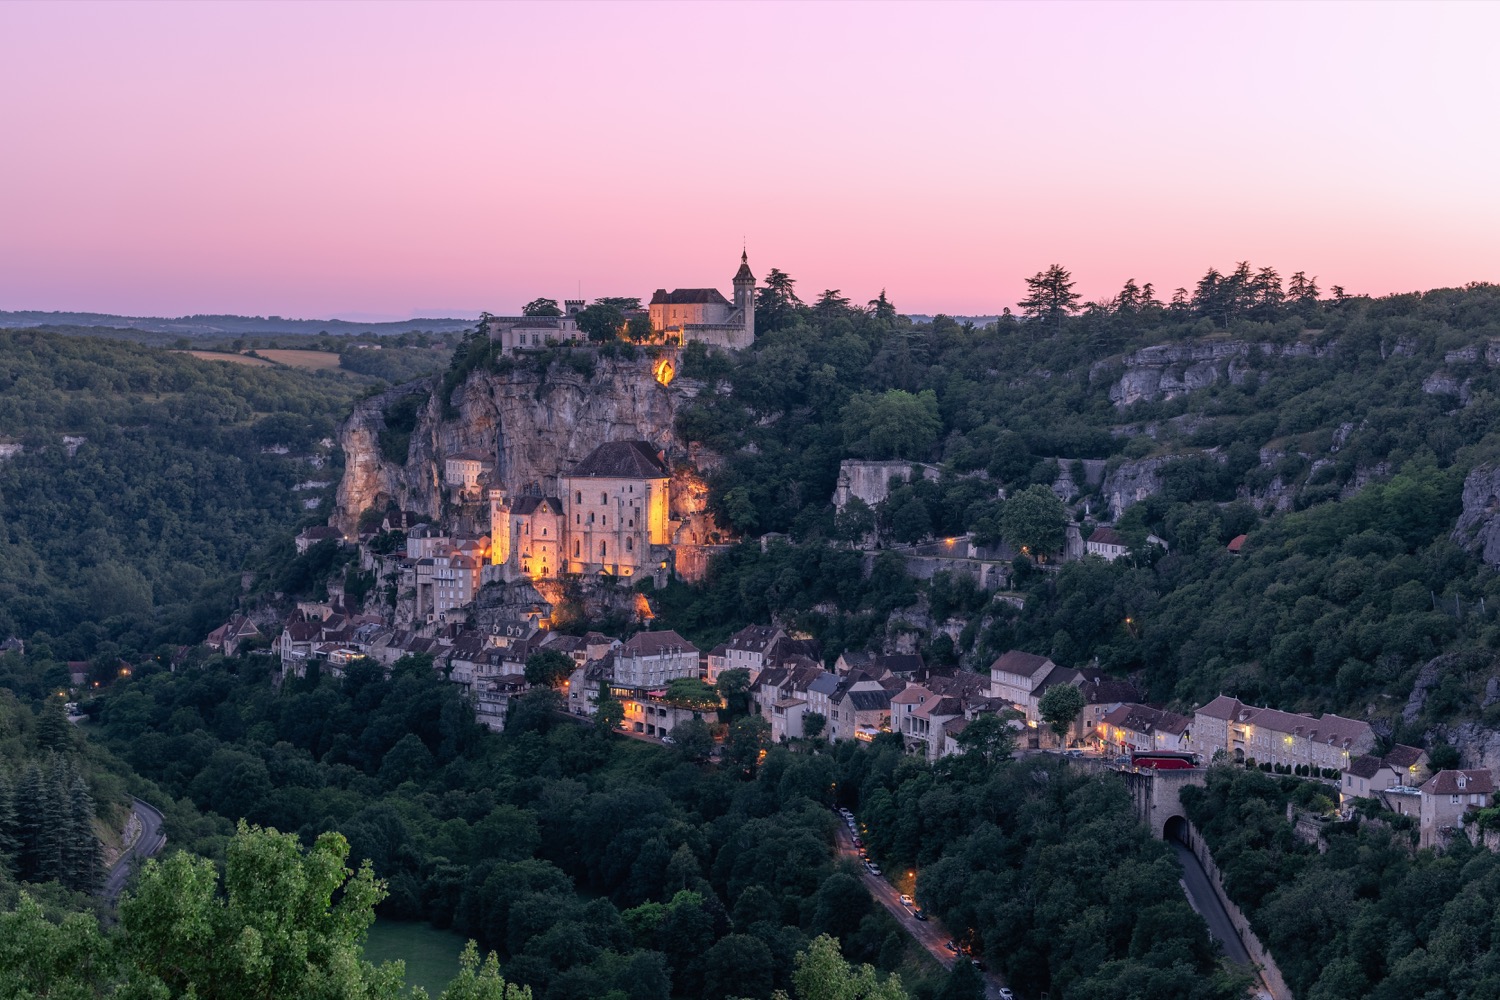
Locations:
744 297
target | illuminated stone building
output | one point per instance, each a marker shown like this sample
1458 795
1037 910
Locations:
611 519
705 316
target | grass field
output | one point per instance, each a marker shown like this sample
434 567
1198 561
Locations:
431 955
313 360
236 358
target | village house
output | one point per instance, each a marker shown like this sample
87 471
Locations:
1446 798
748 649
229 637
1367 776
1132 727
462 471
1266 734
1107 544
308 537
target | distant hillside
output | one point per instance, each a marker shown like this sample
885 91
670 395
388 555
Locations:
219 326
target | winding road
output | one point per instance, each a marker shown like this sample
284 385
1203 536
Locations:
929 933
148 844
1201 895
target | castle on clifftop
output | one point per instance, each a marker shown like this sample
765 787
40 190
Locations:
682 316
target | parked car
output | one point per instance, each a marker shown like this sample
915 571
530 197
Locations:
906 901
873 867
977 964
919 914
1075 754
1006 994
951 946
668 740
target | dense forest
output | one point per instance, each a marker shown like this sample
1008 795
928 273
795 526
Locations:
592 863
147 482
1366 917
1339 443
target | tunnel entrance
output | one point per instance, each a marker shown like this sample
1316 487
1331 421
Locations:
1176 829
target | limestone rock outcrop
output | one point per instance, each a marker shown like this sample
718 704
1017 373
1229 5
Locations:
1478 527
534 422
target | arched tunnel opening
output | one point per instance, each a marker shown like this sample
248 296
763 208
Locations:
1176 830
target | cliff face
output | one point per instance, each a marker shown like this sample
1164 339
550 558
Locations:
533 424
1478 527
1166 371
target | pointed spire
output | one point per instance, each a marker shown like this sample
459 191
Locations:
743 274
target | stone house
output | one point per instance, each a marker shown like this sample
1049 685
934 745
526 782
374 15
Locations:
750 648
1266 734
229 637
1107 544
1368 776
1141 727
650 660
1447 797
308 537
523 333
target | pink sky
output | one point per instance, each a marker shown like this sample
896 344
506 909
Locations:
391 160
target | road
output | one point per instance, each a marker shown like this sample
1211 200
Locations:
929 933
148 844
1201 895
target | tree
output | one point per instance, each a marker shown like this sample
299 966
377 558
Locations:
813 724
963 983
1060 706
734 688
1034 520
541 307
988 739
482 982
823 974
777 303
854 522
548 668
693 738
692 693
638 329
608 712
881 308
288 923
1050 295
737 966
624 303
747 738
892 424
600 321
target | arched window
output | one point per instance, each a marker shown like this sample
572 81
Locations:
577 548
630 545
579 495
603 498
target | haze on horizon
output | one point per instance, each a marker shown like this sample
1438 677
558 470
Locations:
328 160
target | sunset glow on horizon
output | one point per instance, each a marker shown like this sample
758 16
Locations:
399 160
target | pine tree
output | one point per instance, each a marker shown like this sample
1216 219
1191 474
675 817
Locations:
8 841
28 799
54 827
82 847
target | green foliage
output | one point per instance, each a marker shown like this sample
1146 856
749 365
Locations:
893 424
1059 707
400 420
1366 917
690 692
137 536
548 668
1034 520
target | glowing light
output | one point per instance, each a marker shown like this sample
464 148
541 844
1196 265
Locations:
664 371
643 608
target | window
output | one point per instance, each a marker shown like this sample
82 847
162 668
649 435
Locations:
603 499
603 550
577 546
579 495
630 545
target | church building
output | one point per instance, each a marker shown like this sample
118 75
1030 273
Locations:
611 519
